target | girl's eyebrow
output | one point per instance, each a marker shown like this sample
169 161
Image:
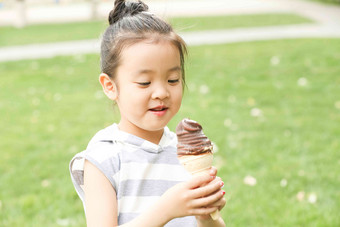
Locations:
174 69
144 71
149 71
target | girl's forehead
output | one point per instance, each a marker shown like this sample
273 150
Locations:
145 48
149 43
150 57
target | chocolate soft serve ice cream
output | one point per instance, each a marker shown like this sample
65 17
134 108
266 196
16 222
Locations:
194 150
191 139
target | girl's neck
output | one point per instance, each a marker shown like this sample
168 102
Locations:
151 136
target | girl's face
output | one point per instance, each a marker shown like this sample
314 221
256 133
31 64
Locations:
150 89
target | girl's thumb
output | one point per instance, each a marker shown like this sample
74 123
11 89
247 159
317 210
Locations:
201 179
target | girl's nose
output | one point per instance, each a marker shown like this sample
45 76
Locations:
160 92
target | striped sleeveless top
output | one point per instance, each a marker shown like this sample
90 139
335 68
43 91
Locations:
139 171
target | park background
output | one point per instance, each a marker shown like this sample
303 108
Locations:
263 80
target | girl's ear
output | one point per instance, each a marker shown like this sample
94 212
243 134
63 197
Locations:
109 87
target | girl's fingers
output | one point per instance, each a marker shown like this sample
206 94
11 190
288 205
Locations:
213 171
203 179
198 181
220 203
203 210
214 200
208 189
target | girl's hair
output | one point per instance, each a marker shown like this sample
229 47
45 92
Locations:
130 22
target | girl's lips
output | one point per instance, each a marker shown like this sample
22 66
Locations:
159 111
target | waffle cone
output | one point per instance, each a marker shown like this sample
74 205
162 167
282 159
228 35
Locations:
196 164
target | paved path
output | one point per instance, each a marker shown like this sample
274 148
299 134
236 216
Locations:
327 24
82 11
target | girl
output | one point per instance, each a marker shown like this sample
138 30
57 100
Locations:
129 174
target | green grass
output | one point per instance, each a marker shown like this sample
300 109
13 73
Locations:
235 21
50 109
93 29
334 2
45 33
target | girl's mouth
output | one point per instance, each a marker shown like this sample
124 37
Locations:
159 110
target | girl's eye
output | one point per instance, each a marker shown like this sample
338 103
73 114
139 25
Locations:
144 83
173 81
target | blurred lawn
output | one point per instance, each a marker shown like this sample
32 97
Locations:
236 21
272 108
93 29
334 2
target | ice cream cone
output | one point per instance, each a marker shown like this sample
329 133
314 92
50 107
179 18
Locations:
194 150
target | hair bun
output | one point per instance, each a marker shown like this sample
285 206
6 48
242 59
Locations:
124 8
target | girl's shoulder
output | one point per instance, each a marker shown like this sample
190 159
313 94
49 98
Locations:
104 144
108 135
103 152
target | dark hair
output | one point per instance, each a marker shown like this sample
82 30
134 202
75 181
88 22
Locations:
130 22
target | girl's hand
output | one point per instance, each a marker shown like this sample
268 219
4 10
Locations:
220 203
199 196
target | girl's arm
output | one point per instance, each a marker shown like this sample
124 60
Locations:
194 197
100 198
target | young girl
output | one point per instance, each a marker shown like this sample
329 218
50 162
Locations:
129 175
